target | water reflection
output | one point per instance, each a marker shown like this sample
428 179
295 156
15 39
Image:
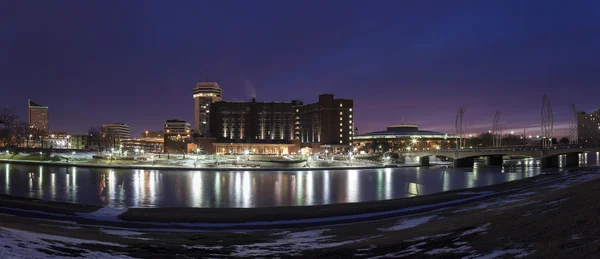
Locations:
161 188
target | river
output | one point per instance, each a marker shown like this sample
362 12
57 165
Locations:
120 188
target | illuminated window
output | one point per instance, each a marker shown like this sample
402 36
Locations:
350 121
350 115
297 110
340 124
340 118
341 113
340 130
350 109
341 142
341 105
341 135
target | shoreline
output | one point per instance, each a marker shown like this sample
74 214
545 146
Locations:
32 162
263 217
475 229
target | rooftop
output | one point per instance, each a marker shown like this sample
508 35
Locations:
403 131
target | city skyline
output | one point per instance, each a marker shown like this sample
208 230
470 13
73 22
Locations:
392 61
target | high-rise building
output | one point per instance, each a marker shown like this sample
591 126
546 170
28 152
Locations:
329 121
38 116
252 120
205 94
116 130
588 127
288 125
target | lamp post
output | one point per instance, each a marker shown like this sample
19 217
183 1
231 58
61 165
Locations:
326 151
152 159
246 153
41 157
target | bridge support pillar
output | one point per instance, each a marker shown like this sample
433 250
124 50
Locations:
549 161
424 160
495 161
572 159
464 162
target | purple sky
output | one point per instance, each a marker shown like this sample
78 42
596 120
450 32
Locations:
136 62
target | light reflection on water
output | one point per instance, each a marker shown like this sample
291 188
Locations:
165 188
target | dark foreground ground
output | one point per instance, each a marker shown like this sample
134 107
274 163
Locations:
551 216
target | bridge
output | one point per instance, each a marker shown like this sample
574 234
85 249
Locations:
466 157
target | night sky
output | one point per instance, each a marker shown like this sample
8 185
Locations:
136 62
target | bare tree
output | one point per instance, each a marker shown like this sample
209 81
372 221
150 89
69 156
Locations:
96 137
22 134
7 120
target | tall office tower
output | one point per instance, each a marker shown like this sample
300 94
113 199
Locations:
205 94
38 116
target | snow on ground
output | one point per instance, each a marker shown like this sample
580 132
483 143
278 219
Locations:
411 250
64 227
104 214
481 229
490 204
514 253
447 250
287 243
125 233
554 202
24 244
416 239
575 237
521 195
118 232
408 223
201 247
581 178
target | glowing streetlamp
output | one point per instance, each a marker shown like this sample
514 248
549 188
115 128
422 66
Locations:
246 153
41 156
326 151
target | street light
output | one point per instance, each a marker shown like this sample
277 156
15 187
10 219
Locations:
41 156
326 151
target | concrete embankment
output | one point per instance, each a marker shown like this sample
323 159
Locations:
170 167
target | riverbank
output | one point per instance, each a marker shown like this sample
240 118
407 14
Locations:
171 167
549 216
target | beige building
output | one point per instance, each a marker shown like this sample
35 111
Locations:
177 134
205 94
116 130
38 117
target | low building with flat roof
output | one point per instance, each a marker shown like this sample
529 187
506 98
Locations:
402 137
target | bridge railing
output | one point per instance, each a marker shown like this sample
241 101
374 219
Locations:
517 148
